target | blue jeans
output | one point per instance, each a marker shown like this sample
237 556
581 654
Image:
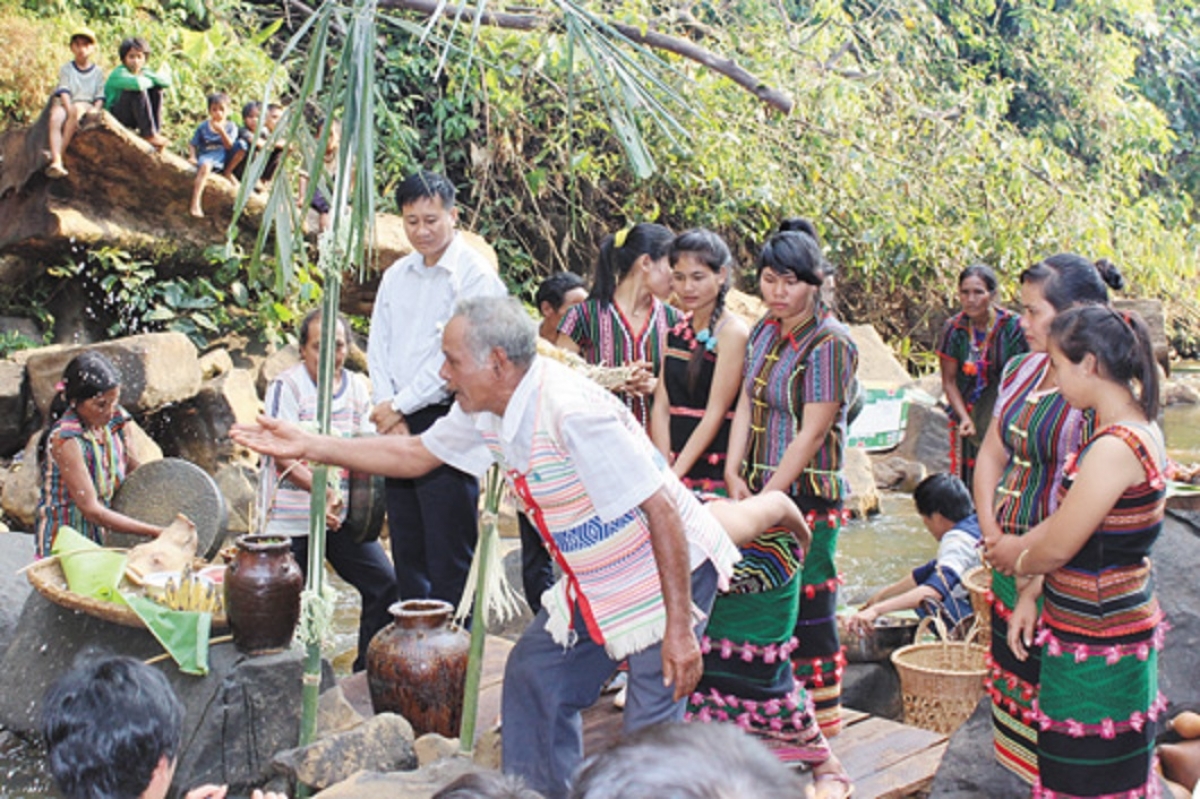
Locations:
547 686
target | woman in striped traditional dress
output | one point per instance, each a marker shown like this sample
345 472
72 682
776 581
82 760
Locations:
789 434
624 321
1099 698
85 455
702 365
1033 431
975 345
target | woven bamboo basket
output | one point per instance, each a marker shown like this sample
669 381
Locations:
47 578
978 582
941 682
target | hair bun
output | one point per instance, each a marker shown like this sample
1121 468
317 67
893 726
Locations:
1110 274
797 224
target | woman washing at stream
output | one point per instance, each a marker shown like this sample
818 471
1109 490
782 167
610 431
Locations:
975 345
1098 699
624 322
85 456
1033 432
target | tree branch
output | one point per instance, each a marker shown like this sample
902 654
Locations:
650 38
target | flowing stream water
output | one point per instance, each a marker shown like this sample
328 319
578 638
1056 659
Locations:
871 553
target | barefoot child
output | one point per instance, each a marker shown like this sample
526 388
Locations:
211 147
80 89
948 513
133 92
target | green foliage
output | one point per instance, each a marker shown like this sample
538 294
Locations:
14 340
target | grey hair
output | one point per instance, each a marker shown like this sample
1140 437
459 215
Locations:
499 322
685 761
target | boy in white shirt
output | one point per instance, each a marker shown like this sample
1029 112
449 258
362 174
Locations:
80 90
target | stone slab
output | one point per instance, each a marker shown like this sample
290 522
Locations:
16 552
157 491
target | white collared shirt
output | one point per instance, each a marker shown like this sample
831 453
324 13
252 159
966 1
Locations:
610 463
414 302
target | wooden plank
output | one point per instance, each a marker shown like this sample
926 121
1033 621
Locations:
852 716
876 744
904 778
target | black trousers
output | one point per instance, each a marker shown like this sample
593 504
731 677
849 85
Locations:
537 572
140 111
433 522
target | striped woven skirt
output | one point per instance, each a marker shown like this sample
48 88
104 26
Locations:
1013 687
747 648
818 662
1099 700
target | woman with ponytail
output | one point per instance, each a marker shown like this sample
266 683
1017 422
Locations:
789 434
1098 698
702 365
1033 432
84 455
624 321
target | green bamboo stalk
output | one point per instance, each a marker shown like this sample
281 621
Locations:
491 508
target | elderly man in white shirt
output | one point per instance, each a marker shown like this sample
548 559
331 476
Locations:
641 557
432 520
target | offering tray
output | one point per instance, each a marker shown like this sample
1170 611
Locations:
47 578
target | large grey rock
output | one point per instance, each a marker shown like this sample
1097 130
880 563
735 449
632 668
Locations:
274 365
894 473
239 486
235 718
158 491
1151 311
14 413
873 688
877 364
1176 557
420 784
16 552
382 743
18 497
197 429
926 438
156 369
864 497
335 713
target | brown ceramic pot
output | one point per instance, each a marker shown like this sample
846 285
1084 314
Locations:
262 594
417 666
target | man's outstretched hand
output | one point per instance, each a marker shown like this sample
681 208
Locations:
273 437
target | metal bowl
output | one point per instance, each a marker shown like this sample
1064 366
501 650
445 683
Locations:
890 634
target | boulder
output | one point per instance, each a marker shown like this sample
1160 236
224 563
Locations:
863 500
895 473
926 438
19 496
382 743
420 784
21 325
1176 558
143 448
1151 311
215 362
156 369
432 747
197 429
488 749
1178 393
15 416
873 688
877 364
335 713
16 552
235 718
239 486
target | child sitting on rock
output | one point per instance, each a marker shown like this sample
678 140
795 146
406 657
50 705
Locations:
948 513
213 147
133 92
80 89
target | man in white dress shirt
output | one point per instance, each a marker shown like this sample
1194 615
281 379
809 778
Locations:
432 519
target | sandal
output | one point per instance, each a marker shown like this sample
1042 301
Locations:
56 171
831 785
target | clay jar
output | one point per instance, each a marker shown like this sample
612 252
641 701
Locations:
262 594
417 666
